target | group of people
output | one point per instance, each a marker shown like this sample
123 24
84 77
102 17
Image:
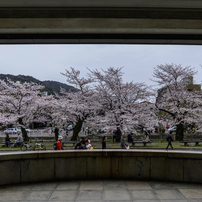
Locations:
18 142
84 144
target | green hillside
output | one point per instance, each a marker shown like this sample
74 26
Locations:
50 86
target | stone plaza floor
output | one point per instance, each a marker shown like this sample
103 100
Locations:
103 191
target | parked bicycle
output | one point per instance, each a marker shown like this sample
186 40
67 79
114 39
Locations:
26 146
39 146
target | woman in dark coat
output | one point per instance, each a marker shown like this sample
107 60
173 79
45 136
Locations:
104 142
8 141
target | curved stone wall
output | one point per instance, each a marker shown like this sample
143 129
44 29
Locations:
99 164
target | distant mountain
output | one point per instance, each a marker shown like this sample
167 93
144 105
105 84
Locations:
54 86
50 86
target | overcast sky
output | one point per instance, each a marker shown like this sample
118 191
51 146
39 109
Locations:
45 62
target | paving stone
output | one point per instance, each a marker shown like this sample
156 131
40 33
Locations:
116 195
103 191
112 184
90 195
67 186
63 195
90 201
192 193
91 185
155 200
121 201
136 185
64 201
38 195
11 195
169 194
44 186
170 200
161 185
29 201
144 194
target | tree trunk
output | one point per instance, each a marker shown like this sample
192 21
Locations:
119 134
24 132
76 130
180 132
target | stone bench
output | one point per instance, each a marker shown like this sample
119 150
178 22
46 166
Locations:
140 142
186 142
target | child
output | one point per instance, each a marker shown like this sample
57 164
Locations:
59 143
88 145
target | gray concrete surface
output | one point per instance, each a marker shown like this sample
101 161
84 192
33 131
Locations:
103 191
100 22
101 3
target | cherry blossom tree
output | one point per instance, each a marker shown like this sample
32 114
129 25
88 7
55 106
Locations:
122 106
59 112
21 104
77 106
176 101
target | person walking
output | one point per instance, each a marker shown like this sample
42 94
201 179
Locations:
59 143
56 133
169 139
104 146
146 136
123 143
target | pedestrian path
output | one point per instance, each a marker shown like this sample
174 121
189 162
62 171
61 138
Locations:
103 191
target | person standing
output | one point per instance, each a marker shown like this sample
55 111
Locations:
8 141
114 135
83 128
56 133
130 138
123 144
156 129
169 139
66 133
59 143
104 146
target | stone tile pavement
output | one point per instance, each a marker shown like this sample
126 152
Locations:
103 191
